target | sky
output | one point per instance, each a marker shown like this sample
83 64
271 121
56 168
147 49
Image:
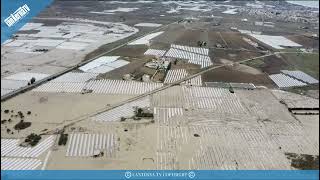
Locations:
310 3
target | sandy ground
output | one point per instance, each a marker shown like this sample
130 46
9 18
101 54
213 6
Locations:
50 109
198 139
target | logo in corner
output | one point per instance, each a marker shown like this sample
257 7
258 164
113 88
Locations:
191 174
127 174
17 15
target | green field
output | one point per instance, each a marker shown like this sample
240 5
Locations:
257 63
308 63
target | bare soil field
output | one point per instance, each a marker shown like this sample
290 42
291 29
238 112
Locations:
159 45
170 35
228 74
270 64
159 77
51 109
182 64
306 42
235 41
134 67
191 37
214 38
232 55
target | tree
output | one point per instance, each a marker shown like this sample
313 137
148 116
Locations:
33 79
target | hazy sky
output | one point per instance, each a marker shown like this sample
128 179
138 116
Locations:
313 3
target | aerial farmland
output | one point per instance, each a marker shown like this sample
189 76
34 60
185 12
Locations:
162 85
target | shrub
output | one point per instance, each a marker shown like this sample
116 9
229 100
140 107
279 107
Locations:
22 125
122 119
63 139
33 139
140 113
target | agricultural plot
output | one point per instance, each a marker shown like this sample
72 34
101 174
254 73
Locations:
101 69
293 100
196 50
190 35
284 81
256 110
178 74
19 80
164 115
32 152
26 76
173 34
75 77
99 86
208 92
61 87
214 38
172 97
125 111
85 145
169 144
175 75
8 85
228 106
146 39
308 63
197 81
108 67
277 42
155 52
292 137
236 41
213 99
148 25
305 41
192 54
19 164
301 76
234 75
7 145
98 62
230 147
121 87
243 85
166 161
